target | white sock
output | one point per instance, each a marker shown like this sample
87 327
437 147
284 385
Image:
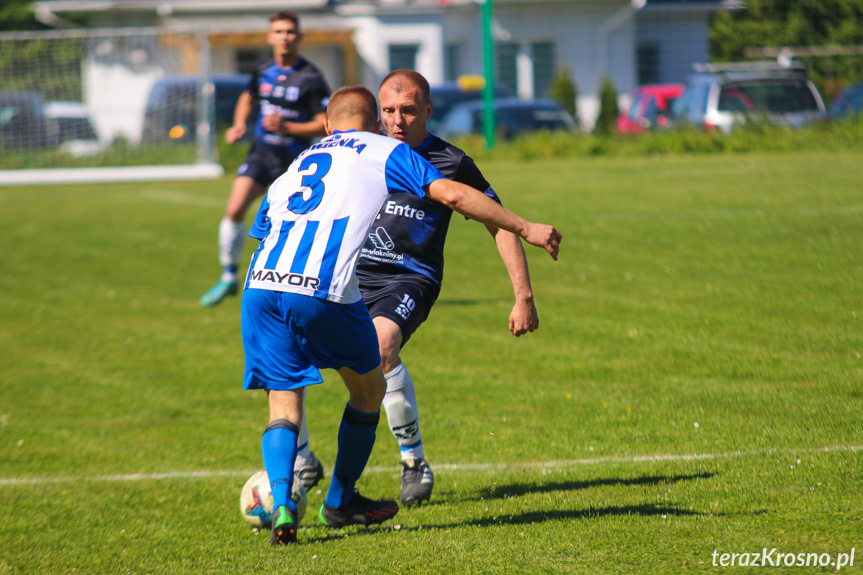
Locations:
304 452
231 240
400 404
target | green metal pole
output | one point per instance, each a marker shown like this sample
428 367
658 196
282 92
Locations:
488 120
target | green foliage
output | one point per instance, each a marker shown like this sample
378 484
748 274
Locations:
564 91
63 57
778 23
17 15
119 153
751 137
608 109
698 350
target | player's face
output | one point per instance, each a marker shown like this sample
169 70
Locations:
283 37
404 115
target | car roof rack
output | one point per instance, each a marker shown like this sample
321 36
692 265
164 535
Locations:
754 66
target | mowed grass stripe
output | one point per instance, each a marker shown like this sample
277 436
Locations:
455 467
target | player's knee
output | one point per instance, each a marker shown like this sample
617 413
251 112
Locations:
368 392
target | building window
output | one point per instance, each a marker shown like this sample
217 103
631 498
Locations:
403 56
249 58
507 67
543 67
648 64
452 62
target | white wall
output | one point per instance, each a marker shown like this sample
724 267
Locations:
682 39
118 98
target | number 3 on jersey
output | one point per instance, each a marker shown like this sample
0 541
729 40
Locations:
322 163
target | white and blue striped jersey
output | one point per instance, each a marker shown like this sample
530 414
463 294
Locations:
316 216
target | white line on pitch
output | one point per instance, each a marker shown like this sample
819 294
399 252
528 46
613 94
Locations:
446 466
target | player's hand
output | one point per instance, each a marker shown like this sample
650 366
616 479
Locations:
272 123
544 236
234 133
523 318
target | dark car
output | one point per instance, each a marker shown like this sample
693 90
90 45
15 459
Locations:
467 89
74 130
650 108
23 124
848 102
723 95
513 117
175 103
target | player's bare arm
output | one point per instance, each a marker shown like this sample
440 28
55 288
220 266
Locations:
523 318
242 112
310 129
477 206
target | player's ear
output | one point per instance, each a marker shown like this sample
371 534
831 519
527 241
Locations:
327 128
429 110
377 129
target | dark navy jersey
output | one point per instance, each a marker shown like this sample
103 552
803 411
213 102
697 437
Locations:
297 94
409 233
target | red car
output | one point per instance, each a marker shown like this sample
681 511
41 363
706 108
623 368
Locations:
651 105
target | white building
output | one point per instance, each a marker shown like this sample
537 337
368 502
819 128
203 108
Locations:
631 42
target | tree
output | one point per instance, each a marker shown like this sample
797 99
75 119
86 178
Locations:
564 91
18 15
797 23
777 23
608 109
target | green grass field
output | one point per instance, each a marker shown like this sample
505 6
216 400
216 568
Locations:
696 384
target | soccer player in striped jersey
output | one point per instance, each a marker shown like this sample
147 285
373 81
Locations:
292 95
302 308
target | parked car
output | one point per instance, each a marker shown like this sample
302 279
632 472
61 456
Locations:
718 97
174 101
513 118
848 102
467 89
650 108
23 125
71 123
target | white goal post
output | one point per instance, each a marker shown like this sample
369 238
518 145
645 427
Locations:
130 104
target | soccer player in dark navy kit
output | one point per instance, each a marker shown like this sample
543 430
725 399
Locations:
293 96
400 269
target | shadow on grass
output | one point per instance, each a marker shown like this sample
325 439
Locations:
529 518
516 489
644 510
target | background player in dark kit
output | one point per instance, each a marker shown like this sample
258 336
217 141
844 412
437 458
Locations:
293 95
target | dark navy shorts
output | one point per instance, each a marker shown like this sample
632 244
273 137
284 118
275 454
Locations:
265 164
406 299
288 338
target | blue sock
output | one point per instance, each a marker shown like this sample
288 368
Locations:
356 440
279 447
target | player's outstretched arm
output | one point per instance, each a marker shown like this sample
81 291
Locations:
477 206
523 318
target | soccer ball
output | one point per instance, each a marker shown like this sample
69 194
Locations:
256 499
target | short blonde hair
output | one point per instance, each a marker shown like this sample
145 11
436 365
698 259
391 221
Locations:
353 102
400 81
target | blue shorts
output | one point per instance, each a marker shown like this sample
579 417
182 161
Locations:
288 338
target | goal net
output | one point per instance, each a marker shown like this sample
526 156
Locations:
106 105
